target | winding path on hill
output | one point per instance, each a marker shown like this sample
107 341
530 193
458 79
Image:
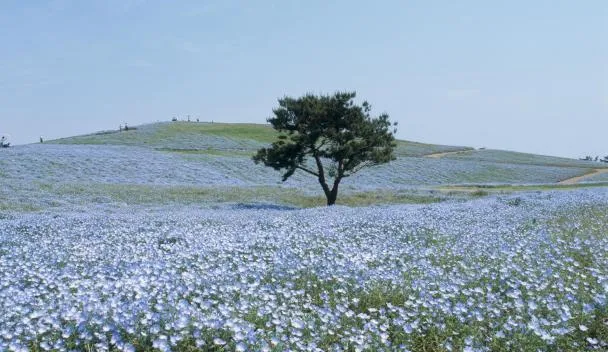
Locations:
442 154
573 180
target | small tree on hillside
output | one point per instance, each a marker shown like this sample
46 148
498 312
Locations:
4 142
338 136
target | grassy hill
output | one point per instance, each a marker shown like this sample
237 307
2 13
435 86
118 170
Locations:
210 163
183 136
245 138
215 138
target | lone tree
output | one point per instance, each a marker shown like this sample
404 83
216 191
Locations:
329 137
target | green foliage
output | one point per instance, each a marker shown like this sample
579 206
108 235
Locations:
236 131
182 135
479 193
328 129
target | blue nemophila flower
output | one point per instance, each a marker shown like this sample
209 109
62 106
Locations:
363 278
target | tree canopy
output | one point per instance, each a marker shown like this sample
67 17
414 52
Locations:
329 137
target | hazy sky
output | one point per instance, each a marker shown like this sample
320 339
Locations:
528 76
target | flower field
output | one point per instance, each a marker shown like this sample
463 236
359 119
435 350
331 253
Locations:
169 238
502 156
95 164
603 177
498 273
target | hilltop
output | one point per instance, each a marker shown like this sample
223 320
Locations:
245 138
205 137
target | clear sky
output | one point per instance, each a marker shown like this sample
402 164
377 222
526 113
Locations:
521 75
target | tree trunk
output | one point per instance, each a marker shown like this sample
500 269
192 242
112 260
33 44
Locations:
333 194
330 194
331 198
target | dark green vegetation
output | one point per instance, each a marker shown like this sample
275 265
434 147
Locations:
328 129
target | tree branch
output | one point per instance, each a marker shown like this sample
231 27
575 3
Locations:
318 148
359 168
340 168
307 170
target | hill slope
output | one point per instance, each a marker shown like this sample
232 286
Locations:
245 138
214 137
207 163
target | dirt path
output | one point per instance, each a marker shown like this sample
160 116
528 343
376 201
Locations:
576 179
441 155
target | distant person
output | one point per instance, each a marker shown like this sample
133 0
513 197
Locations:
120 128
41 139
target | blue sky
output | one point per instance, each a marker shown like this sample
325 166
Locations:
529 76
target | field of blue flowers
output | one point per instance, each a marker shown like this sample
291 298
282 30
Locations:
600 177
39 164
82 271
526 272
